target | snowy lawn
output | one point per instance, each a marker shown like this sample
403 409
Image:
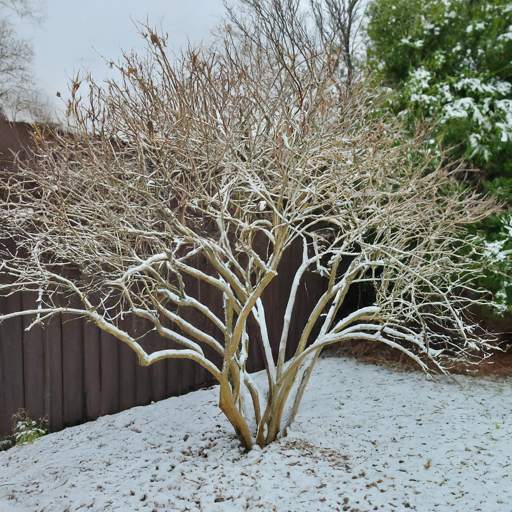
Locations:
365 439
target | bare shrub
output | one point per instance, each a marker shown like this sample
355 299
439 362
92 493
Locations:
228 154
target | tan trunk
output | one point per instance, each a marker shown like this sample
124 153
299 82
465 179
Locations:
281 397
233 414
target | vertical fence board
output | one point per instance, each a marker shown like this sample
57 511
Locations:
143 378
201 294
174 378
53 373
73 370
11 350
109 373
189 376
275 298
311 290
127 381
158 371
142 374
4 421
92 370
33 359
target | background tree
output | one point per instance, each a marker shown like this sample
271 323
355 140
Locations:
225 155
20 98
339 24
289 28
451 61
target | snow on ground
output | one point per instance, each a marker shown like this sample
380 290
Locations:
365 439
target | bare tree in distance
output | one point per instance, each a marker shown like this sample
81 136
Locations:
222 155
20 97
28 9
339 24
288 28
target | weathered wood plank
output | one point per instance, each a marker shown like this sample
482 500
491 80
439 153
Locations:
33 360
127 363
11 355
73 371
53 369
92 370
109 374
4 423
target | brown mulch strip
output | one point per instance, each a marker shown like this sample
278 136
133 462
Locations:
497 365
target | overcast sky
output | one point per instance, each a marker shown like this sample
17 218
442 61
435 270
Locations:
76 33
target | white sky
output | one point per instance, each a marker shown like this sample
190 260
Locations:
75 33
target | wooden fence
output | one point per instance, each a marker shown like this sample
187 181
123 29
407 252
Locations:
71 372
